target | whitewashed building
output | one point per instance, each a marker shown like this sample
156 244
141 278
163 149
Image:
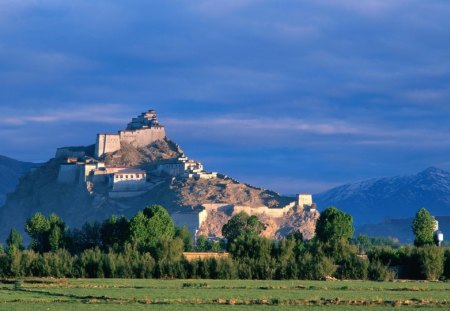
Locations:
129 180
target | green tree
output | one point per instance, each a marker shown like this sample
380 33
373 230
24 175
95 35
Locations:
37 228
242 224
115 231
56 235
184 234
334 225
202 244
423 228
14 240
47 234
149 226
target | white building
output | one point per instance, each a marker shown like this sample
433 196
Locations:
129 180
184 167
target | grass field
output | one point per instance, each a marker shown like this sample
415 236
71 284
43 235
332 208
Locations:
123 294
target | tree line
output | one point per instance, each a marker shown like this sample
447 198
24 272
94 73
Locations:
149 245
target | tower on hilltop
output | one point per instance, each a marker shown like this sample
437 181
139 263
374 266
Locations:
141 131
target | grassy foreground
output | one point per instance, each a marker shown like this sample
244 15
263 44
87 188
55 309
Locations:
123 294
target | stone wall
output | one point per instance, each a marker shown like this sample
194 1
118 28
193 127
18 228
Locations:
143 137
190 256
264 210
304 200
191 219
106 143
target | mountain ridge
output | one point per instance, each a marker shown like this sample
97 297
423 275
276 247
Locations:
370 201
10 172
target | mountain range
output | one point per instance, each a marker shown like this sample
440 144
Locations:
371 201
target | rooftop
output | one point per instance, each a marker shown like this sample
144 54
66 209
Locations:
131 171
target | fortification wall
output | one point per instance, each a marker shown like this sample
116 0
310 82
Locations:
129 185
191 219
106 143
143 137
271 212
304 200
190 256
68 174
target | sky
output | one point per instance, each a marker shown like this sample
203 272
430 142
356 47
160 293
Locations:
294 96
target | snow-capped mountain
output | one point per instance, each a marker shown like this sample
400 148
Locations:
373 200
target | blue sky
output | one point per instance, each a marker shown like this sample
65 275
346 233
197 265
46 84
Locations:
296 96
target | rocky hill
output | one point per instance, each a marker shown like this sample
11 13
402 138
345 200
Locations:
80 201
395 197
10 172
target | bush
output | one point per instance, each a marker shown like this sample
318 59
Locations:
447 264
431 260
353 268
379 272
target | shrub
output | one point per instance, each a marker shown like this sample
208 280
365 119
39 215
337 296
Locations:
431 260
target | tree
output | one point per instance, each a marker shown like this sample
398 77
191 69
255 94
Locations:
423 228
115 232
149 226
88 237
334 225
57 232
184 234
14 240
242 224
202 244
47 234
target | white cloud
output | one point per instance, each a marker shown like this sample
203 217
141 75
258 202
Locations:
281 124
99 113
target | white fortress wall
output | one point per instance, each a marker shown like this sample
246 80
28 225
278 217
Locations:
260 210
129 185
304 200
191 219
106 143
171 169
143 137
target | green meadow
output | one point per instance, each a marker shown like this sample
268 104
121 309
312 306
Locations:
123 294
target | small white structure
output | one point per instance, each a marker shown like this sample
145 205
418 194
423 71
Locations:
129 180
438 235
305 202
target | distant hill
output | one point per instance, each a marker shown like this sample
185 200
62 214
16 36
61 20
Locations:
10 172
371 201
401 228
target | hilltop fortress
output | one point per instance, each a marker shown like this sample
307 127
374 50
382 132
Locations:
207 198
140 132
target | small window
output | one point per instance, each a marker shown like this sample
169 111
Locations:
126 176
